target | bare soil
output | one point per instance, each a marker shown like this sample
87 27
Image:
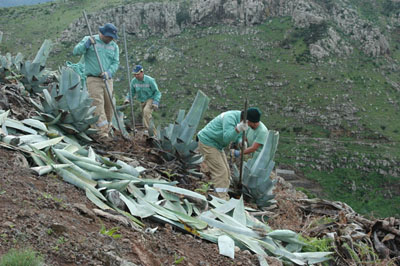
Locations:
55 218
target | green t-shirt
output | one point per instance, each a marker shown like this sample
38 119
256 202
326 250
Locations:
108 53
259 135
145 89
220 131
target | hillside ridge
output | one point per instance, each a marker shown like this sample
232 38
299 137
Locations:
171 18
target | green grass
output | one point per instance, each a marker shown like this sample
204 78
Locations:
365 193
25 257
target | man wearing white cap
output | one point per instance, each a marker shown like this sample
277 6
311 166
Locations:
109 56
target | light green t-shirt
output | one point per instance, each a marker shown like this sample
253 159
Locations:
108 54
259 135
145 89
220 131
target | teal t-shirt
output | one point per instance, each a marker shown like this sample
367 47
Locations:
108 53
258 135
220 131
145 89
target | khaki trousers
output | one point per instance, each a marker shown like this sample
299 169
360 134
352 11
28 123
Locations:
218 164
147 110
97 91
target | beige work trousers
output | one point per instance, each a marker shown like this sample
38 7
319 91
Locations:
97 91
147 110
219 169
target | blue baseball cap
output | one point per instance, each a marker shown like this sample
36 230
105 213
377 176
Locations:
109 30
137 69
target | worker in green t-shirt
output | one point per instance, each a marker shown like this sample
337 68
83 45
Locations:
256 134
213 138
108 52
146 90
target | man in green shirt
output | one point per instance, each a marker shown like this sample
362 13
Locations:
148 94
109 56
213 138
256 135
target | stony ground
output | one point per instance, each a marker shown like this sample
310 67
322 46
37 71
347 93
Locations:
56 219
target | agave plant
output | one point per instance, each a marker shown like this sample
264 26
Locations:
34 73
68 107
176 140
256 180
9 65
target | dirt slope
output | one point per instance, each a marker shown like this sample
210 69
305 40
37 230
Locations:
57 220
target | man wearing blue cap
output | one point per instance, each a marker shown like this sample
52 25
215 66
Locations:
148 94
108 52
256 134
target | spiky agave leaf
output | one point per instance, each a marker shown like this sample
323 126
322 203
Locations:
68 106
9 65
256 180
34 73
176 140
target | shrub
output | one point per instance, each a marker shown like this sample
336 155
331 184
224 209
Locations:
183 16
25 257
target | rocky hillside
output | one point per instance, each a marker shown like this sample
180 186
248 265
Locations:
171 18
324 74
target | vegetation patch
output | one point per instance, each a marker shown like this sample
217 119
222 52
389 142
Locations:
23 257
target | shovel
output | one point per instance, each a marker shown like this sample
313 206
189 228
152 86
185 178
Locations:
105 81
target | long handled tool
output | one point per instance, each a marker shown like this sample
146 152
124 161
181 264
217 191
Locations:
129 80
105 81
243 146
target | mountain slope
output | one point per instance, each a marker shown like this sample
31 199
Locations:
324 74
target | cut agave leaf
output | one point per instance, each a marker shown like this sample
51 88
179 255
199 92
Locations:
43 144
93 198
180 191
226 246
79 182
45 169
35 124
18 125
3 117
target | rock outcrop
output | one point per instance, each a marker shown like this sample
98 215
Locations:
170 18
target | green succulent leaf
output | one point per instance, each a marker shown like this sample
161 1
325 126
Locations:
69 106
177 140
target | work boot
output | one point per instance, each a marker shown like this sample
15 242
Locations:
221 195
102 137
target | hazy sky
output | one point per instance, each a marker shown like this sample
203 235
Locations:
8 3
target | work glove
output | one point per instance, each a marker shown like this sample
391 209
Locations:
106 75
242 126
155 105
126 101
235 153
89 42
245 144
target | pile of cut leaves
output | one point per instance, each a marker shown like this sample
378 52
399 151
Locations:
124 188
